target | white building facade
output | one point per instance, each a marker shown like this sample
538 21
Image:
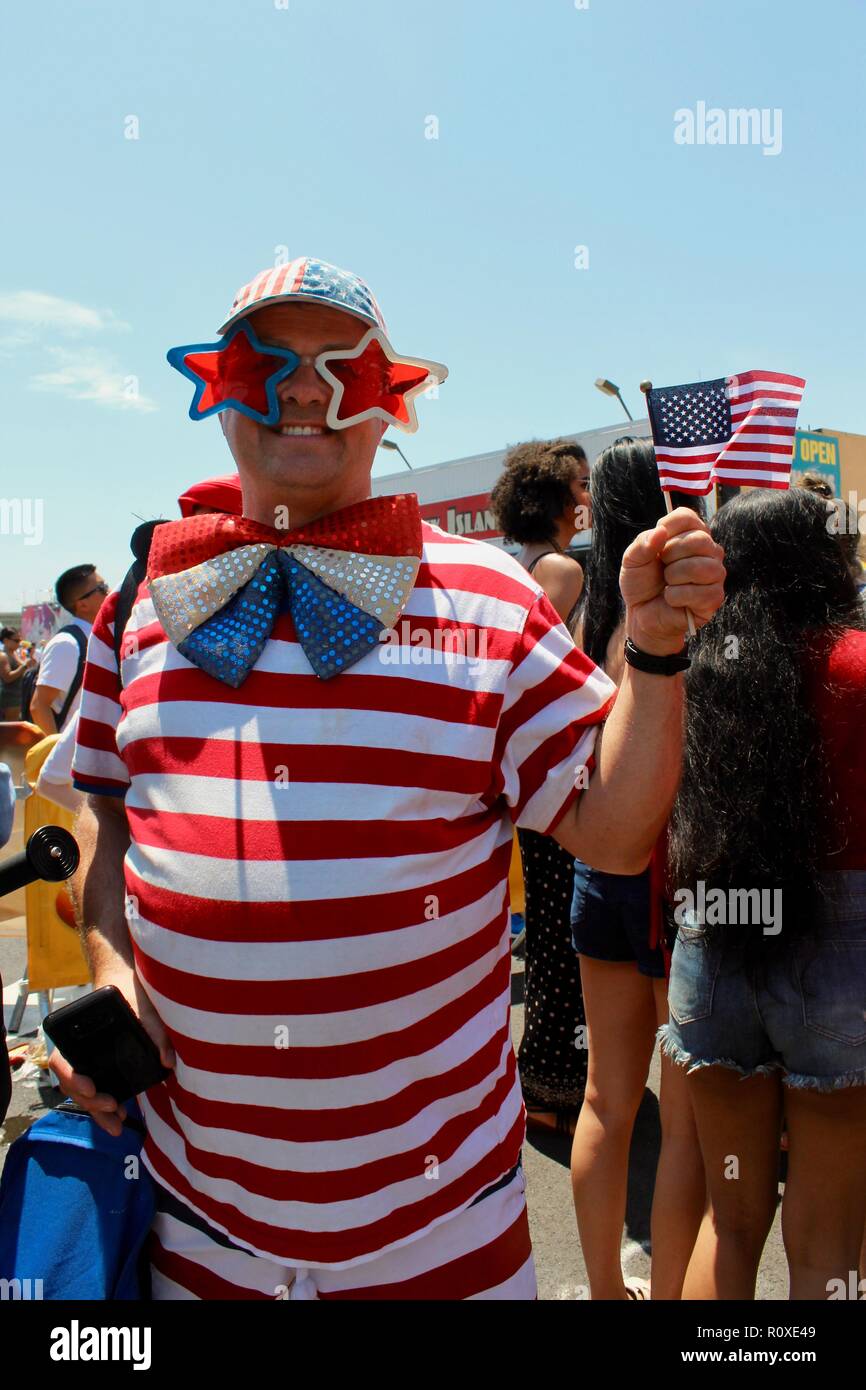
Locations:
456 494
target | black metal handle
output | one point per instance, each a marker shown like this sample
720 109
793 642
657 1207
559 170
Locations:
51 853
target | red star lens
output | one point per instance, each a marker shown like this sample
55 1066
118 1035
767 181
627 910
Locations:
372 382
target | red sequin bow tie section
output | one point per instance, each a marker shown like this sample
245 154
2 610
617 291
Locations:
218 583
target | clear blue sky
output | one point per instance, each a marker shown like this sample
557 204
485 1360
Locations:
262 126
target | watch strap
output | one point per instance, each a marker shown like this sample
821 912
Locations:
656 665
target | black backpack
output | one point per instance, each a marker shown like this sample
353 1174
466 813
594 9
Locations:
139 544
28 680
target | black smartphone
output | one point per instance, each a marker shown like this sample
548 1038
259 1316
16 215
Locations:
101 1037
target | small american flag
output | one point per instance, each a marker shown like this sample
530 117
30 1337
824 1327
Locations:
736 429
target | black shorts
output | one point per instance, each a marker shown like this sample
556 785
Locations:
610 918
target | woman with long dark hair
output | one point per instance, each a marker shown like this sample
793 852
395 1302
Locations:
540 501
623 974
768 872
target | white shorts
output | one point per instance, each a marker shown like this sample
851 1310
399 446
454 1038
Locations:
483 1252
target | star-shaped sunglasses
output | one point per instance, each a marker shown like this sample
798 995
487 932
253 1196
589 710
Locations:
369 381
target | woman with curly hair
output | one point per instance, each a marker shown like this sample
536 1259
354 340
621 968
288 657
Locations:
768 855
540 501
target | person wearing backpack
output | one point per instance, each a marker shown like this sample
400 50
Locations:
56 693
210 495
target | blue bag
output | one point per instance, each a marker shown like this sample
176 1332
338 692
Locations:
76 1206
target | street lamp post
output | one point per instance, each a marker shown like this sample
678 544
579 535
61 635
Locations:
610 390
390 444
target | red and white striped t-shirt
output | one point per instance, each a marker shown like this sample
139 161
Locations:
318 875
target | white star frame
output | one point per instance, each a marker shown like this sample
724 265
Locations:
435 374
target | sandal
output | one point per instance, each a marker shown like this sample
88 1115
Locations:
638 1290
551 1121
17 1053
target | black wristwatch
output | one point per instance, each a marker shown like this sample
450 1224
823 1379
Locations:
656 665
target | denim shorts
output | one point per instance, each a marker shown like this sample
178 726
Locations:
610 918
801 1012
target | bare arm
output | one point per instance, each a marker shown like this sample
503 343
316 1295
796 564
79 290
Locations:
616 821
561 578
9 674
618 818
98 893
41 713
98 889
614 659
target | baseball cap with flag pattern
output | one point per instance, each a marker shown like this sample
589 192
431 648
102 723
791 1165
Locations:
307 279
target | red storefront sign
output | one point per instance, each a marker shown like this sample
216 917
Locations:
463 516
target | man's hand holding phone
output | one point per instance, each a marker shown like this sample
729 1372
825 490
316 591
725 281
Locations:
108 1112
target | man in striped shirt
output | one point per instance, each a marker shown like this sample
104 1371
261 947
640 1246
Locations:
300 884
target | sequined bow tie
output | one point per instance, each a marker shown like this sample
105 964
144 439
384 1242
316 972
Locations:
218 582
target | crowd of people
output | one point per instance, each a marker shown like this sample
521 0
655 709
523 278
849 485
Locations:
42 684
316 846
51 697
760 1018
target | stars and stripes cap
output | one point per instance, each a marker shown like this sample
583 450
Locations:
307 279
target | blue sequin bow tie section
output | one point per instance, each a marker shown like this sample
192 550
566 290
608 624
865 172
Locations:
218 583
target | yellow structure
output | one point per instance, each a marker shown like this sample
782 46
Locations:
840 458
852 469
54 954
516 890
852 450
